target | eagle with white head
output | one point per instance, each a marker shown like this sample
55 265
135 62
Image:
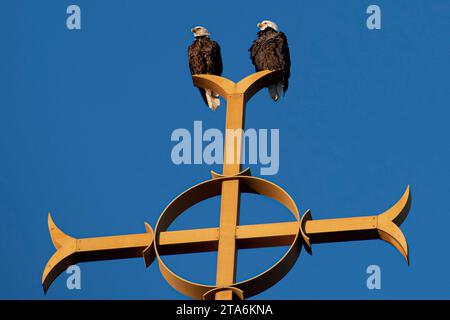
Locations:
205 58
270 51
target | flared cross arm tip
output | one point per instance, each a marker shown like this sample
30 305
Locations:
64 256
390 221
70 250
384 226
248 86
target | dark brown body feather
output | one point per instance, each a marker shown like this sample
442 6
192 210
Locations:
270 51
205 58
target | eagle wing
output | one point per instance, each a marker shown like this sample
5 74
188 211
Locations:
214 59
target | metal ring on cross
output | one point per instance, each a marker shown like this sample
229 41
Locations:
212 188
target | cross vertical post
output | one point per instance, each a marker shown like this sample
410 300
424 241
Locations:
230 200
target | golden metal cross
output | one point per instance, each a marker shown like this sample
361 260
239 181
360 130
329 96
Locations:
229 236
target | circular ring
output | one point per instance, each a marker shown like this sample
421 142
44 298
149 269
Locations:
212 188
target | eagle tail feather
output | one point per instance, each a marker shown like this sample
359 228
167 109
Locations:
212 99
275 90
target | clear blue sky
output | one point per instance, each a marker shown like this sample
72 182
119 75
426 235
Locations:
86 118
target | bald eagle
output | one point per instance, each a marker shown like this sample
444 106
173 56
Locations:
270 51
205 58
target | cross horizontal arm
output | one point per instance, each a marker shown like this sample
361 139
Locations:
70 250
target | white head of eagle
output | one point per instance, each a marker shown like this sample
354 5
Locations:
200 31
267 24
